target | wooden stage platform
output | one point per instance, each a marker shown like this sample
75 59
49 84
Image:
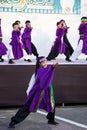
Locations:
70 83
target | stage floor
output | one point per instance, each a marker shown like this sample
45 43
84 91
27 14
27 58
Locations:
61 61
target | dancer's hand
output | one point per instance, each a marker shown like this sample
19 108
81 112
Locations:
21 27
55 65
68 27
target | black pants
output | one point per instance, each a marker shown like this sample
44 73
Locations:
53 53
0 57
69 50
34 50
23 112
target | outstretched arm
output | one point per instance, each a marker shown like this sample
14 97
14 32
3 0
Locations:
55 65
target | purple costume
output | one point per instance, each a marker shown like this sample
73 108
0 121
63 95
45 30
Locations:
3 48
26 39
17 47
83 36
40 96
41 93
59 40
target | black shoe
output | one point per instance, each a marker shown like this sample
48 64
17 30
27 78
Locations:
67 59
48 59
1 60
27 60
11 125
11 61
52 122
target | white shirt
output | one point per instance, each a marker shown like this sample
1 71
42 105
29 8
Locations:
31 83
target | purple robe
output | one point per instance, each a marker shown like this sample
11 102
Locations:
84 50
26 39
0 33
40 92
0 30
61 44
81 31
83 36
3 49
17 47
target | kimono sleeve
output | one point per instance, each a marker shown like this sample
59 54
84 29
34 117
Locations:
26 33
46 76
15 37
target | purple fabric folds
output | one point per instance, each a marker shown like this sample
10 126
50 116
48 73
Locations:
83 31
3 49
59 40
17 47
0 29
40 93
0 32
26 39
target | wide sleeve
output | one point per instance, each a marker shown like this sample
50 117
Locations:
57 32
81 31
26 33
46 76
15 38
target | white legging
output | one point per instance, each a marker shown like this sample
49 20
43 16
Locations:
10 54
77 51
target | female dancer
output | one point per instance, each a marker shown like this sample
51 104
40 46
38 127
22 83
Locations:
40 94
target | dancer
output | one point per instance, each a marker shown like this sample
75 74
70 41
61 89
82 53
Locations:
17 47
4 50
82 42
25 55
40 94
69 49
26 39
59 46
19 25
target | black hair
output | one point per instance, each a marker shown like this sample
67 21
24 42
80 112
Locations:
17 21
28 21
62 20
83 17
14 24
58 23
38 64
